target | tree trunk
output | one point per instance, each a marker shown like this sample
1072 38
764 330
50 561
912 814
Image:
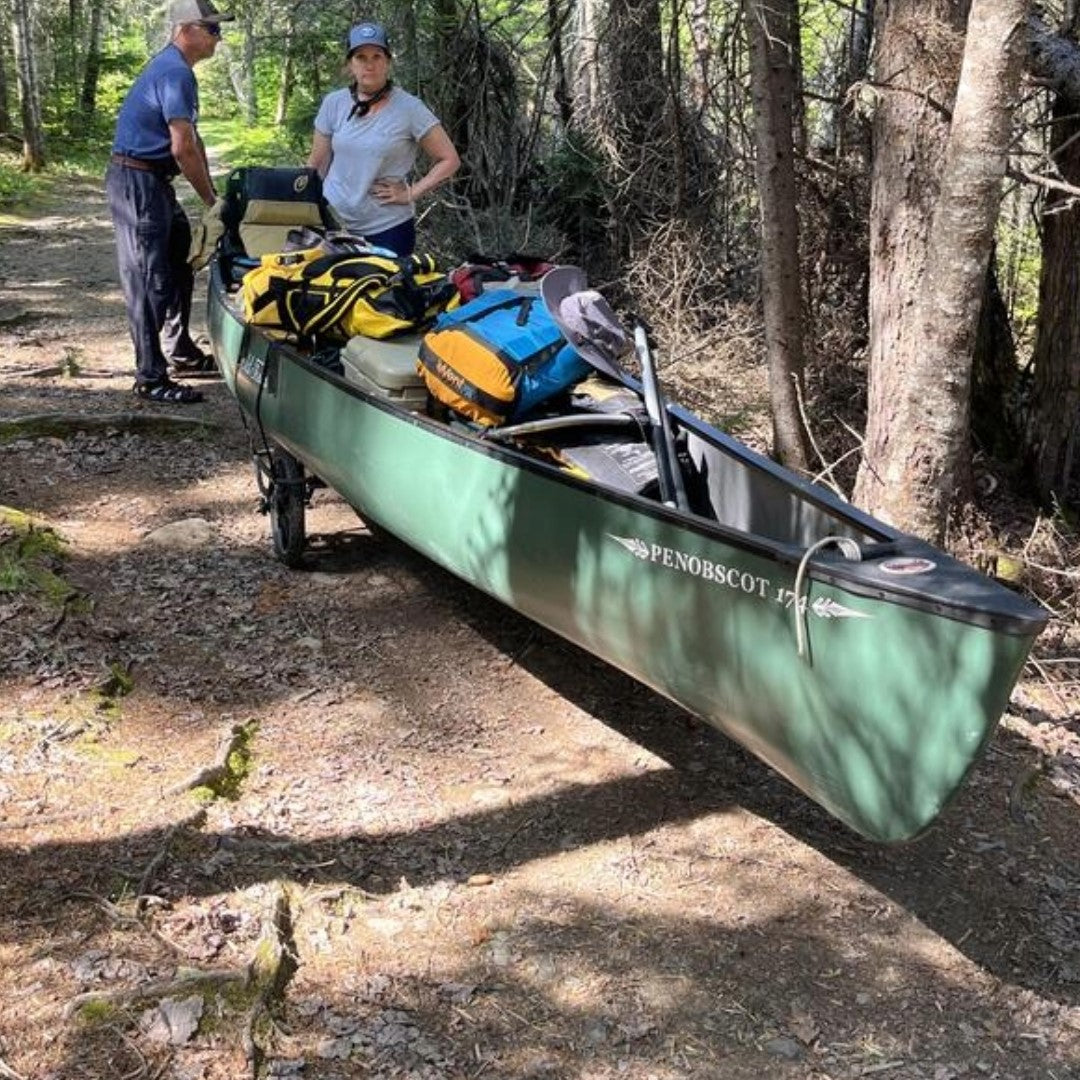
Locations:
5 93
1053 434
556 18
994 374
29 92
854 132
917 463
1053 58
92 71
587 69
771 27
701 37
909 134
288 73
250 99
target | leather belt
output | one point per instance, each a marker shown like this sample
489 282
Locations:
166 168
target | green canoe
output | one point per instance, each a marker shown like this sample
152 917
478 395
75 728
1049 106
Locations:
867 667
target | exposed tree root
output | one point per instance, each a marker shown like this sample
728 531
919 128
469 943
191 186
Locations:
192 821
44 425
229 767
271 969
187 981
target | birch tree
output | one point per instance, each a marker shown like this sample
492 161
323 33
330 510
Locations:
29 88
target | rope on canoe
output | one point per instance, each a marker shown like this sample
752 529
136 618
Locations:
849 549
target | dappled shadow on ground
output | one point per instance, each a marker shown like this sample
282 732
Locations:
994 883
558 956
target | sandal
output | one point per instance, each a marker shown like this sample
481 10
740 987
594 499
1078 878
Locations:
166 392
187 366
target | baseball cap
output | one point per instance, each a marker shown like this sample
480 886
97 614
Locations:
367 34
195 11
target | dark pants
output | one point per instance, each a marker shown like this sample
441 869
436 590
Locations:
152 241
400 239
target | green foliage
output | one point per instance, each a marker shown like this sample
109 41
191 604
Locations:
15 185
235 144
68 157
1019 262
575 201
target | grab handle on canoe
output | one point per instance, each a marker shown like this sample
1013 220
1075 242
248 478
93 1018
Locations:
880 549
850 549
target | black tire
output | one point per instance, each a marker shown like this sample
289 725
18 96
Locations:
287 497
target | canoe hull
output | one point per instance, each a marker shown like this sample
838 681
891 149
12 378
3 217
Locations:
879 722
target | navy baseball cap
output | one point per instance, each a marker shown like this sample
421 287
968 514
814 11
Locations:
367 34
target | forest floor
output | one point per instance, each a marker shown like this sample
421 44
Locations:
361 821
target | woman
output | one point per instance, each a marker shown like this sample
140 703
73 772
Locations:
365 146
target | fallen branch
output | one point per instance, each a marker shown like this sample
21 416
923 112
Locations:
65 370
8 1073
122 919
45 425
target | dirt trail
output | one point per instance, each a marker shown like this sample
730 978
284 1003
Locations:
360 821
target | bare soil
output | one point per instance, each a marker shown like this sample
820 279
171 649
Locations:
360 821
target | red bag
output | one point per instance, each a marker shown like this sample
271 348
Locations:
479 270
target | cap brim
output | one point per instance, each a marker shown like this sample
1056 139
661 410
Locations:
555 286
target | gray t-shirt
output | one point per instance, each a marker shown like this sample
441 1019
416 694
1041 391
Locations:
380 146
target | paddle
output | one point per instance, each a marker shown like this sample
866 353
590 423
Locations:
672 489
590 325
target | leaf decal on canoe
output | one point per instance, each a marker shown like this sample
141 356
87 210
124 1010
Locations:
826 608
636 547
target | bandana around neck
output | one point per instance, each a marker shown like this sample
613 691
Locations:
362 106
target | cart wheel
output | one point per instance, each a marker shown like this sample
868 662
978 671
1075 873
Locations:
287 497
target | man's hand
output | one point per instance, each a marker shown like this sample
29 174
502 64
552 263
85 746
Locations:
206 234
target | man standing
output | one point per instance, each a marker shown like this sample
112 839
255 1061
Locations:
156 139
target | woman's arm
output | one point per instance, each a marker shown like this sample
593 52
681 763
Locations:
322 153
445 162
436 145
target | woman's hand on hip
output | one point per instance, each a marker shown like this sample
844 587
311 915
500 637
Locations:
394 192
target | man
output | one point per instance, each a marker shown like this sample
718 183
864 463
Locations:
156 139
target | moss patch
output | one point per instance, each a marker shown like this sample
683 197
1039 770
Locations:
31 558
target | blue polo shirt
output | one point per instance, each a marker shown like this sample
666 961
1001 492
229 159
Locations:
165 90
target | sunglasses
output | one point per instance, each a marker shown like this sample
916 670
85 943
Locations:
213 29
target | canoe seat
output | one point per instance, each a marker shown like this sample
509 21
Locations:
387 369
